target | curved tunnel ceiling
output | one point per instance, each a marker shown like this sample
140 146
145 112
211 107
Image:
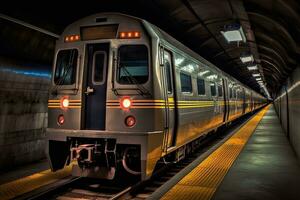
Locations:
272 29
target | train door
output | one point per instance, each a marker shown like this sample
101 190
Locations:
95 86
251 101
170 101
226 100
244 100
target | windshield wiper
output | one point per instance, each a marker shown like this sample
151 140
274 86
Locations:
130 78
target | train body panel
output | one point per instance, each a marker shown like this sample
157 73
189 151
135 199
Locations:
125 95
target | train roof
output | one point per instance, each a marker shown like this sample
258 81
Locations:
112 16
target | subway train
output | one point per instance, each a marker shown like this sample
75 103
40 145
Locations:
125 96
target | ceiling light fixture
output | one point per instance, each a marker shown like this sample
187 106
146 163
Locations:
255 75
246 58
234 33
252 67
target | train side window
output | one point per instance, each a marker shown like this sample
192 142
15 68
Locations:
186 83
220 90
230 93
133 64
233 93
99 60
66 64
201 86
213 89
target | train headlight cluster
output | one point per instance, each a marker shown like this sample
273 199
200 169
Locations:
125 103
64 103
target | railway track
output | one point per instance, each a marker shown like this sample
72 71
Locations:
93 189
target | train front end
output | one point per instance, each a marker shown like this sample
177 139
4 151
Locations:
102 116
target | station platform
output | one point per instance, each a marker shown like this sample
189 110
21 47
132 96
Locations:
28 178
256 162
23 171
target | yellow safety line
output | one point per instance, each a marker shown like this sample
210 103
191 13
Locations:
23 185
58 104
58 100
68 107
202 182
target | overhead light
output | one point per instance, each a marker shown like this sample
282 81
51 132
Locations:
246 58
255 75
203 73
252 67
258 79
234 33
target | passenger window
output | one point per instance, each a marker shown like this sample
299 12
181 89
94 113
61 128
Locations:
133 64
186 83
220 90
230 93
213 89
169 80
66 64
98 66
201 86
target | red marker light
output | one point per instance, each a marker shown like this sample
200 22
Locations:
130 121
72 38
130 35
122 35
61 119
125 103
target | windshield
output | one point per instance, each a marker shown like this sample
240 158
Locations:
66 63
133 64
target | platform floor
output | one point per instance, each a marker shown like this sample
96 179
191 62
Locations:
267 168
22 180
257 162
23 171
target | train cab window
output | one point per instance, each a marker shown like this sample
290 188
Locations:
186 83
66 64
201 86
220 90
230 93
133 64
99 61
213 89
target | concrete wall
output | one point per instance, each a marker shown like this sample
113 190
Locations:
23 113
287 105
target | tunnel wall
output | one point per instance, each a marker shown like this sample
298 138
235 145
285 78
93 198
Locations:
23 113
287 105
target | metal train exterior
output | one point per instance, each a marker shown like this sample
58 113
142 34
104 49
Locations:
125 95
